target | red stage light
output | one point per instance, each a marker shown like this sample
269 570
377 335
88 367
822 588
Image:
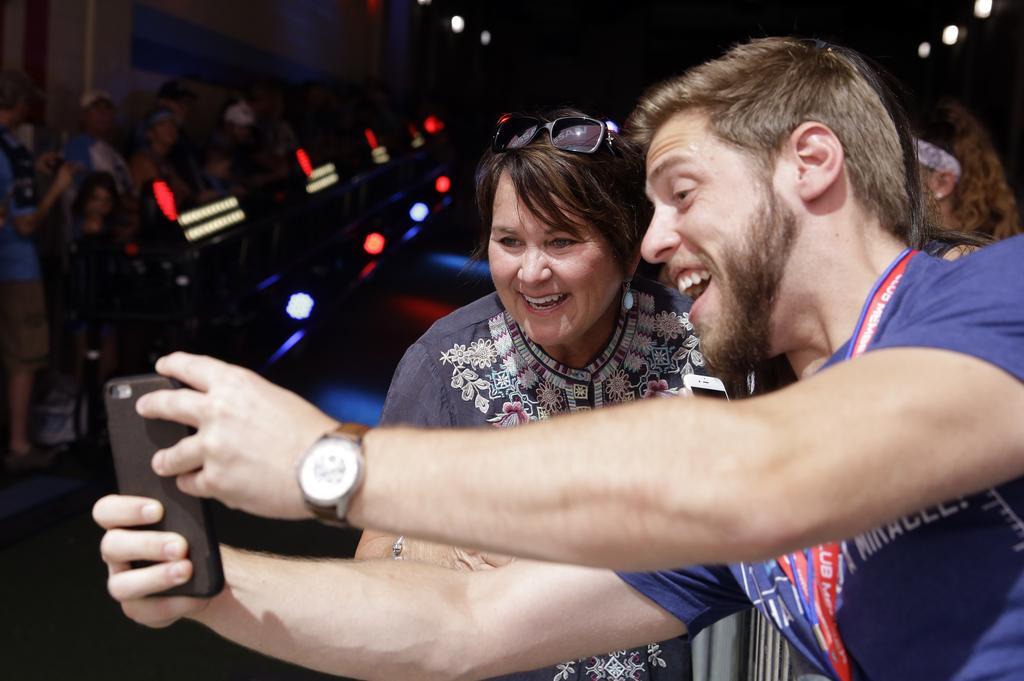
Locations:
374 243
165 200
433 125
131 249
371 138
368 270
442 184
303 158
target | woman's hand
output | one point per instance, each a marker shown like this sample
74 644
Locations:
121 545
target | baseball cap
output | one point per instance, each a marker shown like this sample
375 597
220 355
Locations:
239 113
175 90
157 115
91 97
16 86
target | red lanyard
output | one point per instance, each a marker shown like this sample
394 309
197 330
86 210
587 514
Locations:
816 573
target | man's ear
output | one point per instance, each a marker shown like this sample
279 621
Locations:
818 155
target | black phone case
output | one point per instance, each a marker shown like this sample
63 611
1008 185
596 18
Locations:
133 441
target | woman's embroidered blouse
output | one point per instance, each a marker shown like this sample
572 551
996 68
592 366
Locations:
475 367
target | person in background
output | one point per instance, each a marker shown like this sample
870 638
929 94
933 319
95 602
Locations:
96 211
92 148
963 175
176 97
253 166
24 332
152 160
97 218
275 134
219 177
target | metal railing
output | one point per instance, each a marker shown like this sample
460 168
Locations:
746 647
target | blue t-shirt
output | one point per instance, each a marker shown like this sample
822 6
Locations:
18 259
96 155
938 594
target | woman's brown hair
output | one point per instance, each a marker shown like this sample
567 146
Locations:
982 201
570 191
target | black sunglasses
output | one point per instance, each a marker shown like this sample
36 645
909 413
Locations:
578 134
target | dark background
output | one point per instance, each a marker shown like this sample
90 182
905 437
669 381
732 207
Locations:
601 55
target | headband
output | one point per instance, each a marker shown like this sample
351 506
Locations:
931 156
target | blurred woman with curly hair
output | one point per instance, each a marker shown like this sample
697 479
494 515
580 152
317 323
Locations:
963 175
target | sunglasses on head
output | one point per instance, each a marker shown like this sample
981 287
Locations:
579 134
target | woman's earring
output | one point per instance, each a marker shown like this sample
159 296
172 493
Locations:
627 295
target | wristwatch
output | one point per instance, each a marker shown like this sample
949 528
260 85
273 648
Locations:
330 473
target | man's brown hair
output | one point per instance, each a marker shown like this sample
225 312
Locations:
571 191
759 92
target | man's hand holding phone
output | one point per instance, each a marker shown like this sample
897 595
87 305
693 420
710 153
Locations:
249 435
134 587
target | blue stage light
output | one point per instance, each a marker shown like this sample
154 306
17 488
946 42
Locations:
300 305
612 126
419 211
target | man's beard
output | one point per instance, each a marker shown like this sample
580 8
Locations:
749 279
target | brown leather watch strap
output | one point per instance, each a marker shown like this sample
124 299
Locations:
352 430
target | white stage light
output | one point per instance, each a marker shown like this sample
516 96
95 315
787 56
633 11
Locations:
982 8
485 38
950 35
458 24
924 50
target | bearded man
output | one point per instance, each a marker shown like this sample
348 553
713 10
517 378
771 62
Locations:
786 201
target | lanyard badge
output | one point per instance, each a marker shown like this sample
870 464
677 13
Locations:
816 573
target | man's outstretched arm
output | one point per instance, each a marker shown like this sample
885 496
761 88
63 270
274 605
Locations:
386 619
659 484
669 483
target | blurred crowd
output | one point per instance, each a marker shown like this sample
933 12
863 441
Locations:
65 190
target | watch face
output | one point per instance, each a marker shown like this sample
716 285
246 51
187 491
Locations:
329 471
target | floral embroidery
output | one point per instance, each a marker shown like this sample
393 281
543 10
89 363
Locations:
618 386
550 397
669 325
654 656
512 381
564 670
624 664
481 353
465 379
471 384
512 415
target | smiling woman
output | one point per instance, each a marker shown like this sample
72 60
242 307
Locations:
567 329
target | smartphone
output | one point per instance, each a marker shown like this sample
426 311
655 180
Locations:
705 386
133 442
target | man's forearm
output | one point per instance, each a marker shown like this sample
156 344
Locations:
363 620
401 620
589 489
668 483
26 225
